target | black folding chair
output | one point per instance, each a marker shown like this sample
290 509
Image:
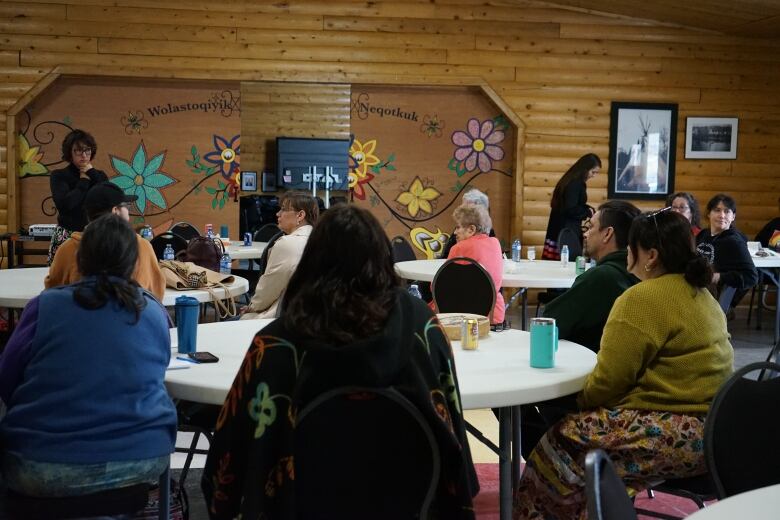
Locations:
742 430
385 455
162 240
185 230
402 250
605 491
462 285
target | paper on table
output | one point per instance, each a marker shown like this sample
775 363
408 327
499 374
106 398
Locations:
178 364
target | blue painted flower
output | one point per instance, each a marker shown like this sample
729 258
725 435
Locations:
142 178
697 445
652 431
631 467
225 155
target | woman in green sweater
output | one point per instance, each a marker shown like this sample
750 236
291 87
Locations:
664 353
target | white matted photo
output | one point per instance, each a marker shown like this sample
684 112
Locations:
711 137
248 181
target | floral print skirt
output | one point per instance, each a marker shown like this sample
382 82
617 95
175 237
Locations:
646 447
60 235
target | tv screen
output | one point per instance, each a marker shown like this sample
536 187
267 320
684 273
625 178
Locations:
301 162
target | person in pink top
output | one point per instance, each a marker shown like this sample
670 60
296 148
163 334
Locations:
473 225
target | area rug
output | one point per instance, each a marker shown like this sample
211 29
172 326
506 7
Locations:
486 503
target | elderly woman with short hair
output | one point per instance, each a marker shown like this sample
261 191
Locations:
473 224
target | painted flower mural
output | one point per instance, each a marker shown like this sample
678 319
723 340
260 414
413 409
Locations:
478 146
29 158
225 155
142 178
418 198
361 157
429 242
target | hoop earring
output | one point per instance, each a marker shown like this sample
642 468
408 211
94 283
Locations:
648 268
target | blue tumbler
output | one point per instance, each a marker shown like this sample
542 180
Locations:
544 342
187 310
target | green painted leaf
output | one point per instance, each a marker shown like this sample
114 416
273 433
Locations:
194 150
158 180
154 164
211 191
375 169
155 197
679 444
124 183
391 167
452 165
190 163
139 159
213 203
222 202
221 185
122 167
391 157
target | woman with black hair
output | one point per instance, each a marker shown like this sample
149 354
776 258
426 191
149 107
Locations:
69 186
82 378
345 321
569 206
664 353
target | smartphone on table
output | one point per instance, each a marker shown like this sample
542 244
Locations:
203 357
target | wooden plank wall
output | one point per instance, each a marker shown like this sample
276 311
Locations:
557 68
276 109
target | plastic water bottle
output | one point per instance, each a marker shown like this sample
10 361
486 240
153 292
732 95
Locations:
224 263
415 291
209 231
565 256
168 252
516 249
147 233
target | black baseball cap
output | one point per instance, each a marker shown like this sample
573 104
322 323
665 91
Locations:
104 196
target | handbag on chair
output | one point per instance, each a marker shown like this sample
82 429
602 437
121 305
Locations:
203 251
183 276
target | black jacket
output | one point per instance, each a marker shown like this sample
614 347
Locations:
69 191
729 256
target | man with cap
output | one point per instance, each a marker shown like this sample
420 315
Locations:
103 198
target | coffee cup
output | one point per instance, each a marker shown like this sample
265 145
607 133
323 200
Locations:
187 310
544 342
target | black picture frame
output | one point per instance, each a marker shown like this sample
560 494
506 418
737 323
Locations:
268 182
248 181
642 150
711 137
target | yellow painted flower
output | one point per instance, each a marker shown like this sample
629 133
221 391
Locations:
362 158
29 158
431 243
418 198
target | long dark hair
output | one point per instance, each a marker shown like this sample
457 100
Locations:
670 234
345 284
77 137
108 251
578 172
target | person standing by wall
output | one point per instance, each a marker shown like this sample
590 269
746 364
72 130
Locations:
69 186
569 205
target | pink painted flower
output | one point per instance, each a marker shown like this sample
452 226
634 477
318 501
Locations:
477 148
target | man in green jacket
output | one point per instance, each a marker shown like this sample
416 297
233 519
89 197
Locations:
582 311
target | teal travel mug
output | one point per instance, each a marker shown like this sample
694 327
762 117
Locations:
544 342
187 310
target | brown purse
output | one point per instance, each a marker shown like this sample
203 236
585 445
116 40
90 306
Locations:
203 251
183 276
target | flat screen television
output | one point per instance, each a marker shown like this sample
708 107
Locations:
303 161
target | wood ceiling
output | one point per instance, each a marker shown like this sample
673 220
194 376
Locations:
751 18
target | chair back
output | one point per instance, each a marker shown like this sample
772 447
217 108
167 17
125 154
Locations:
160 241
462 285
605 491
185 230
380 461
567 237
266 233
742 430
725 297
402 250
772 357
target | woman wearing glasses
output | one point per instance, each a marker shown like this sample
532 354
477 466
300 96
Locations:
69 186
664 353
685 204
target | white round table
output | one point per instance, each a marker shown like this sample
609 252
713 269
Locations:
238 251
768 266
19 286
758 504
523 275
496 375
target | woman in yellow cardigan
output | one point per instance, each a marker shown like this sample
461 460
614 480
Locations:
664 353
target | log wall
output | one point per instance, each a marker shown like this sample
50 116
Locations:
557 69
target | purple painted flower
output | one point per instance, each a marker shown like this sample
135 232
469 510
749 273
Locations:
225 155
478 146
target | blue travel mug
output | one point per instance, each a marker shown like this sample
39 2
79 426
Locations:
187 310
544 342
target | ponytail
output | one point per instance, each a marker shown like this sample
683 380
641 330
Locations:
698 271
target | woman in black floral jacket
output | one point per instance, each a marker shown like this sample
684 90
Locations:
345 322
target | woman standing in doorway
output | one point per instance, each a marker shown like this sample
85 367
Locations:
569 206
69 186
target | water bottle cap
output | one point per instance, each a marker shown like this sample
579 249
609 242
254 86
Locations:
414 286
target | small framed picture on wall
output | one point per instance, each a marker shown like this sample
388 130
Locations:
711 137
269 181
248 181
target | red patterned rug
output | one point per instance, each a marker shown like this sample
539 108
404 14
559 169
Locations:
486 503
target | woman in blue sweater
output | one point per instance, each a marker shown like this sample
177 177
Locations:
82 379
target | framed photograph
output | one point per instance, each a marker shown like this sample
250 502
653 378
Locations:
269 181
711 137
642 140
248 181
